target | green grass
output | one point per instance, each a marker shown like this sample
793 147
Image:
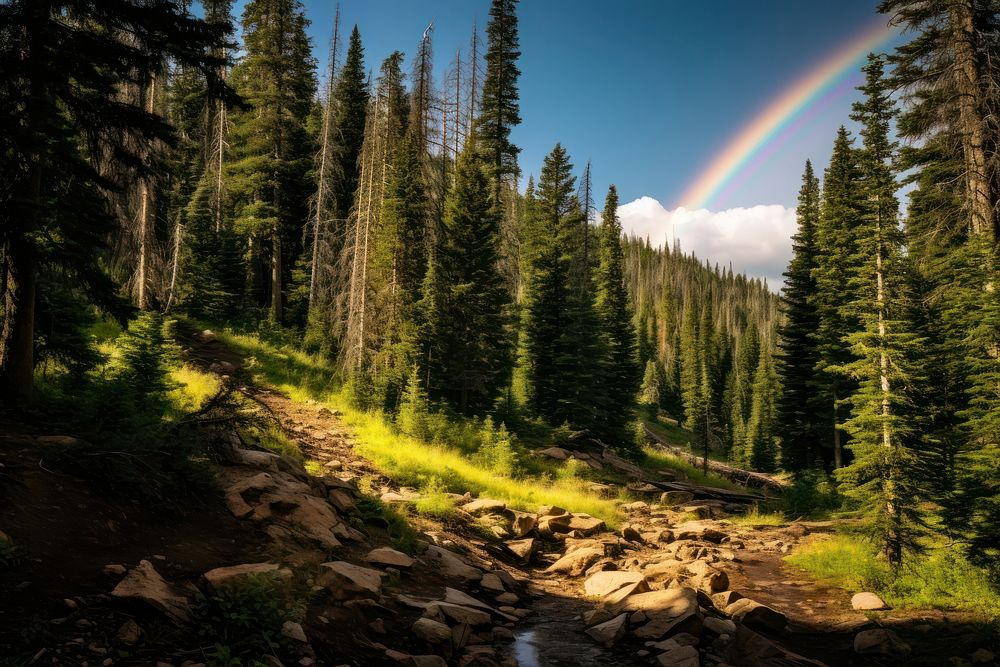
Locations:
191 390
410 461
656 459
434 501
672 433
940 578
756 517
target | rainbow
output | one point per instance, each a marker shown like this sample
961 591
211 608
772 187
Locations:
797 104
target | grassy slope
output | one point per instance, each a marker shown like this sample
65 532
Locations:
418 463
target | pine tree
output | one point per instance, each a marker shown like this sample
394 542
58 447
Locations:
273 153
690 367
499 111
837 256
65 67
761 442
352 109
800 416
882 475
476 322
616 319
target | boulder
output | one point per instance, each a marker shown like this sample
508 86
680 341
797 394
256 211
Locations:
386 557
340 499
586 524
756 616
666 612
522 523
557 453
432 632
679 656
576 562
483 506
549 525
720 626
294 631
130 633
632 534
880 641
672 498
492 582
609 632
145 583
724 599
750 648
442 611
625 591
449 564
867 602
347 581
256 459
602 584
708 578
522 549
223 575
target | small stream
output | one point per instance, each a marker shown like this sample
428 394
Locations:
554 637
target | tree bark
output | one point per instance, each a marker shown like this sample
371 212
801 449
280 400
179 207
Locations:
276 276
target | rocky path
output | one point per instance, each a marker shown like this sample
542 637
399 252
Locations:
677 585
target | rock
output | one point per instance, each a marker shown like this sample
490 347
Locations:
441 611
557 453
130 633
708 578
638 507
507 598
387 557
551 510
522 549
206 336
114 570
340 499
723 600
672 498
256 459
750 648
756 616
347 581
333 465
625 591
483 506
492 582
522 523
880 641
586 524
223 575
449 564
576 562
983 657
603 584
668 611
427 661
58 440
432 632
237 506
549 525
631 534
609 632
294 631
720 626
145 583
502 634
680 656
867 602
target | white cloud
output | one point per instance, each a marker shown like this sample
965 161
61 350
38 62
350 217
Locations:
756 240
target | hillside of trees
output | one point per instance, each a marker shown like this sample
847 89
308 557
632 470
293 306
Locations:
159 163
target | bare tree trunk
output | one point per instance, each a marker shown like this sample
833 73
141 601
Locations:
324 158
147 214
17 366
276 276
173 272
971 121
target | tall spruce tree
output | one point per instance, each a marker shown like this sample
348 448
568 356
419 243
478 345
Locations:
882 475
499 111
616 319
352 109
799 414
273 151
476 322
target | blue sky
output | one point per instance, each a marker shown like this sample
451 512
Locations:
647 90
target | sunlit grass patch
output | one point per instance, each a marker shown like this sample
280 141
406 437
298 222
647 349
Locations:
758 517
939 578
659 460
191 388
434 501
274 440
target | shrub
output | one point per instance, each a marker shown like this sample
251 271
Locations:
812 492
497 449
413 409
243 618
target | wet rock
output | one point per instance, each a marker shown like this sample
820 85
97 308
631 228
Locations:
431 631
347 581
223 575
603 584
387 557
880 641
450 564
576 562
867 602
484 506
609 632
145 583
